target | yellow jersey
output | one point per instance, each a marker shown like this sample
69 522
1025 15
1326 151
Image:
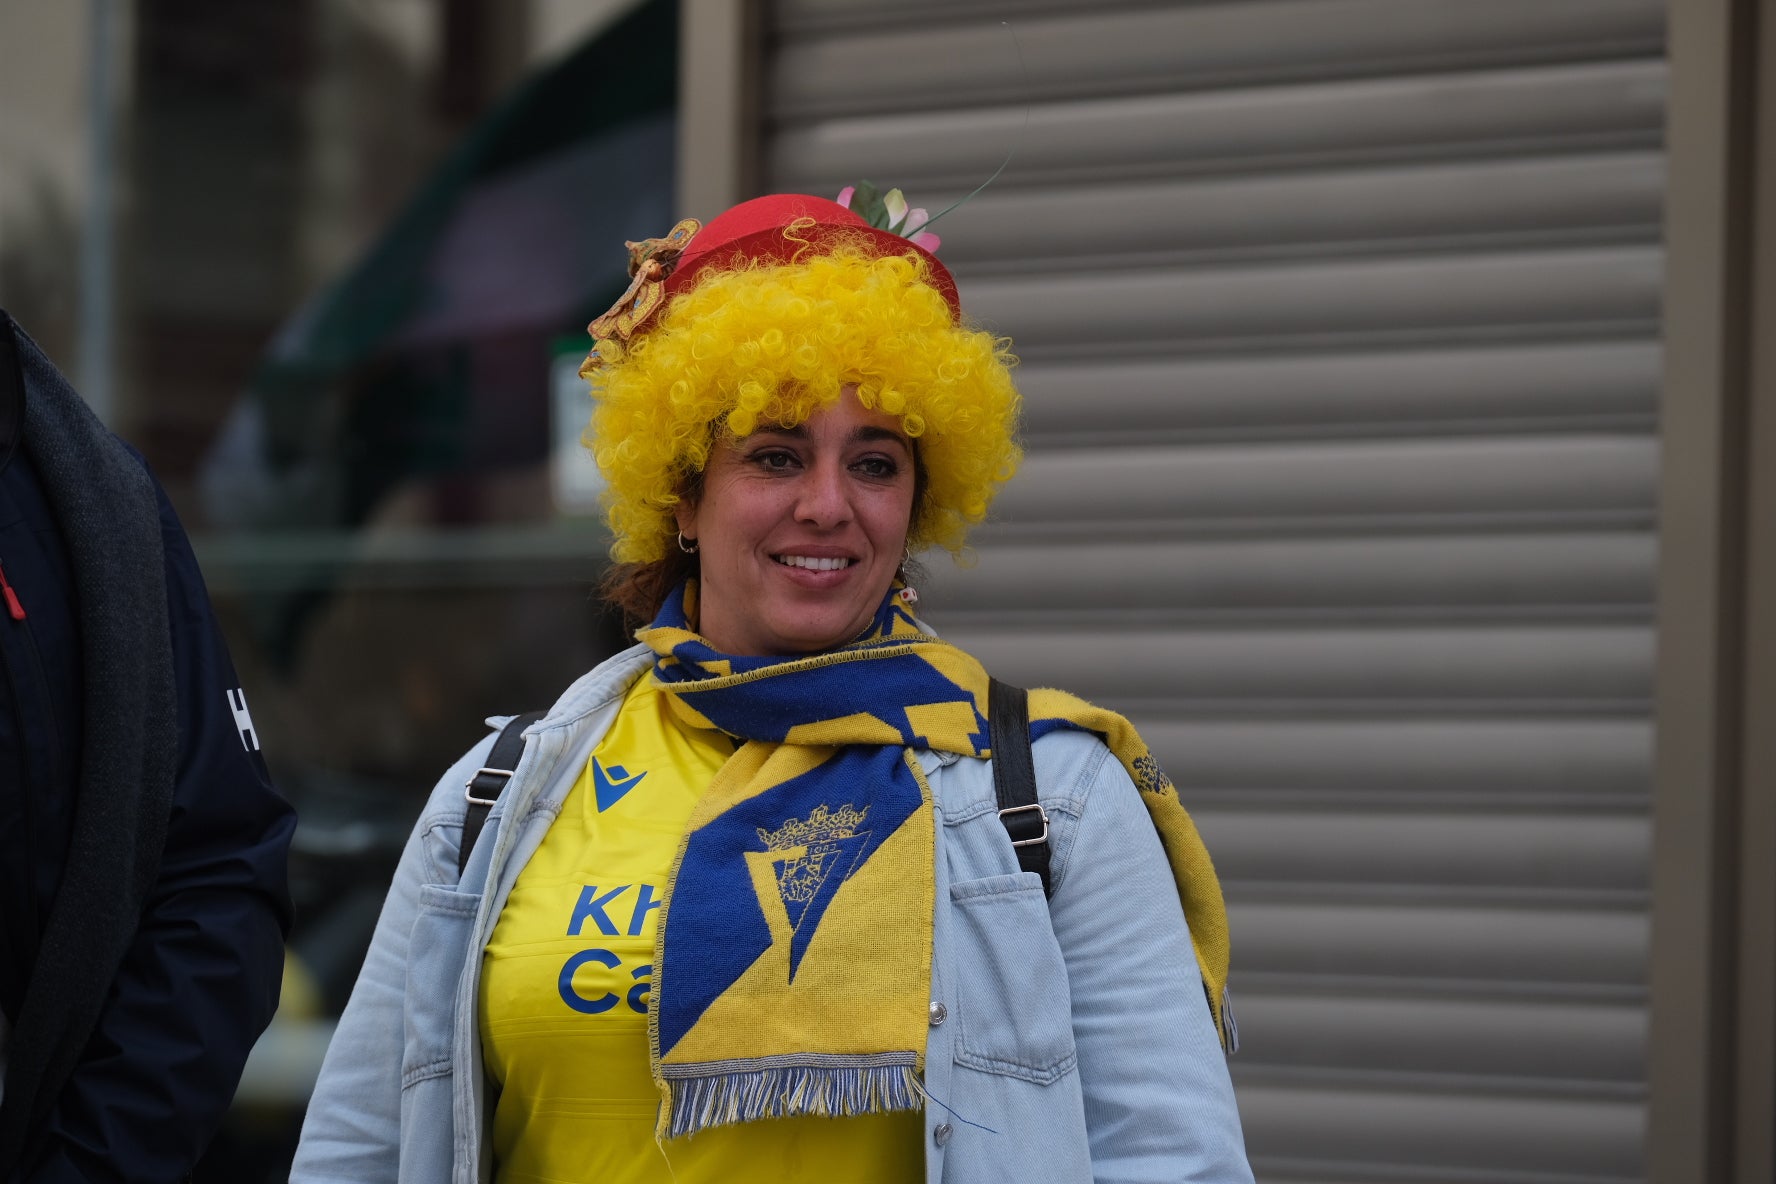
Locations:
565 983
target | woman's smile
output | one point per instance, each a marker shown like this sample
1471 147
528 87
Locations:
800 530
815 562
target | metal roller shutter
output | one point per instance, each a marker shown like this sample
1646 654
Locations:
1339 322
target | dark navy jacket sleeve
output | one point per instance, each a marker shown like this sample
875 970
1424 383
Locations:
201 979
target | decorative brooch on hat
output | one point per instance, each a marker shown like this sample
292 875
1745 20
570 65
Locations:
650 261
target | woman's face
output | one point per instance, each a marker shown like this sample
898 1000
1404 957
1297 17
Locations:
800 530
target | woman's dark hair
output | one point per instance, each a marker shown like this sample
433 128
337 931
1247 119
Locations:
637 590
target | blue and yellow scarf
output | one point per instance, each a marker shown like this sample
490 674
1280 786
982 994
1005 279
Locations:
792 967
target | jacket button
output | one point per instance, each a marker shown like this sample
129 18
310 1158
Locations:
941 1134
938 1014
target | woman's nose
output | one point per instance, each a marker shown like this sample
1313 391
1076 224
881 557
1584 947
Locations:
824 499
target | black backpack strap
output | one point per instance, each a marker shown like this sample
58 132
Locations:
484 788
1014 778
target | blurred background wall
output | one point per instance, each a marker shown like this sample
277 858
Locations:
1397 422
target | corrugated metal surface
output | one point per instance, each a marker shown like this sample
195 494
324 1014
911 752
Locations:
1340 323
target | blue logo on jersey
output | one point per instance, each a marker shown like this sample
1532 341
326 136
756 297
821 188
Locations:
611 784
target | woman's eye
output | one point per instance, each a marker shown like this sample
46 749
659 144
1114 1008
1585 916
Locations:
877 466
776 460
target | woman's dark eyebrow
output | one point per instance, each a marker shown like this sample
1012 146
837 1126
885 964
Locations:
875 433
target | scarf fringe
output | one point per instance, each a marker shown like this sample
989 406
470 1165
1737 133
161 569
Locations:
696 1104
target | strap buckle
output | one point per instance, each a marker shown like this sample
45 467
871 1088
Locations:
1041 815
469 786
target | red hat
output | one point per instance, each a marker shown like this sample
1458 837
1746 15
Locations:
760 231
777 228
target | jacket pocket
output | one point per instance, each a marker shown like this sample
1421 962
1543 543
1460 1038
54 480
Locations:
437 951
1014 1007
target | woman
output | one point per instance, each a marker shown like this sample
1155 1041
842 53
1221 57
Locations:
747 909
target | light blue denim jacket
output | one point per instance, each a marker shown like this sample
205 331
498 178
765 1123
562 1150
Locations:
1069 1039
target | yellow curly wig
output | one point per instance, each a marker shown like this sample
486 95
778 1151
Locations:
772 344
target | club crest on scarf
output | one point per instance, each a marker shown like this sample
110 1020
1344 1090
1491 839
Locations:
792 966
814 855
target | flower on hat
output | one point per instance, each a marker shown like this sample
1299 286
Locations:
916 218
889 211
